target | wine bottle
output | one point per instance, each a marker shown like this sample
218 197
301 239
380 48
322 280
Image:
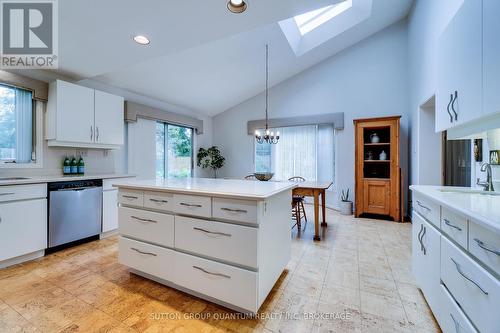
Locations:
66 166
74 166
81 166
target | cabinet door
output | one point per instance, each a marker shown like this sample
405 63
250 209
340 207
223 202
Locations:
377 197
467 50
431 240
75 113
109 210
109 121
23 228
445 79
491 56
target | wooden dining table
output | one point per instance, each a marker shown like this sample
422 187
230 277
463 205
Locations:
314 189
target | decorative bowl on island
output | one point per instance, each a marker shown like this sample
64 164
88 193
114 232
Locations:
264 176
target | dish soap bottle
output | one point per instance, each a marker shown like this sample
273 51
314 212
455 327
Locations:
74 166
66 166
81 166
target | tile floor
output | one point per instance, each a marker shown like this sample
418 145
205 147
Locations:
357 279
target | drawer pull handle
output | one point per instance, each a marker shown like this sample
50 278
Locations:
212 232
234 210
449 224
457 325
7 193
210 273
190 205
144 220
158 201
424 207
459 270
130 197
146 253
481 244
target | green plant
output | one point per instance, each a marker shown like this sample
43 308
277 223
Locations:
210 158
345 196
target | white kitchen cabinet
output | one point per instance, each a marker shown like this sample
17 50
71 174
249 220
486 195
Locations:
459 71
108 118
491 57
82 117
109 210
23 227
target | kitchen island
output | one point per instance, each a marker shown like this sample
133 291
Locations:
226 241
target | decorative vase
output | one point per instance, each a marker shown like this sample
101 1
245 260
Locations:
374 138
383 156
346 207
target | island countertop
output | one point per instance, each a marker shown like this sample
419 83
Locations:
233 188
474 204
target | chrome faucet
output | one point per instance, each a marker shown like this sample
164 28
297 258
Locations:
488 184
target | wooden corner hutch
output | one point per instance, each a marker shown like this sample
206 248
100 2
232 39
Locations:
378 173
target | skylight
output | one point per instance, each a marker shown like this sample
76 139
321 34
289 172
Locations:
311 20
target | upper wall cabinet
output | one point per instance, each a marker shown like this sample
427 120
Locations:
491 57
82 117
459 68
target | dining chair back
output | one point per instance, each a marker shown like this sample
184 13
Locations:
298 209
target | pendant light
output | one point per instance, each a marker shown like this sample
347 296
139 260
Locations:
268 136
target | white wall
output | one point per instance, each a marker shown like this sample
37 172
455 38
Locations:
367 80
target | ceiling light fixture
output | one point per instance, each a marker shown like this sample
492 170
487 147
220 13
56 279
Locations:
140 39
268 136
236 6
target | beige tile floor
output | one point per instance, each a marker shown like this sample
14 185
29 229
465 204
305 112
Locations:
357 279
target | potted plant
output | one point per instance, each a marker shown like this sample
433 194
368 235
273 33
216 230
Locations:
210 158
345 203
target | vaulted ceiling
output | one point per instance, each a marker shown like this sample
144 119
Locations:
201 56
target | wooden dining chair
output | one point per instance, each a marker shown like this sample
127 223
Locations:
298 209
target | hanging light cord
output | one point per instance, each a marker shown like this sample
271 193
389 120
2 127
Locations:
267 82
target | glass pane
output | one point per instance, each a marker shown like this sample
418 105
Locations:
160 150
7 123
180 151
263 162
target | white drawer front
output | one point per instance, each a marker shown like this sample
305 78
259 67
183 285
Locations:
159 201
451 318
485 246
131 198
427 208
147 258
193 205
148 226
229 242
477 291
23 192
235 210
455 226
226 283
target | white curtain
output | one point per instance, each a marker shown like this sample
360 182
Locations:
24 125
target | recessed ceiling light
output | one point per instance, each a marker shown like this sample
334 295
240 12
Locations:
140 39
236 6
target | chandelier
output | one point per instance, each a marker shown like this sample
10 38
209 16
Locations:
268 136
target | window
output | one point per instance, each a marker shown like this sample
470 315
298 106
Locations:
16 126
306 151
174 151
309 21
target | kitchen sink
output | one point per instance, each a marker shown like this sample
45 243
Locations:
12 178
472 192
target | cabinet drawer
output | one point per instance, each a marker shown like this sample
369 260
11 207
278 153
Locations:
477 291
146 258
229 284
23 192
235 210
193 205
455 226
485 246
229 242
427 208
131 198
451 318
148 226
159 201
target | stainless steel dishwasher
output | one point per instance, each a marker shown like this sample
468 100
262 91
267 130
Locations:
75 211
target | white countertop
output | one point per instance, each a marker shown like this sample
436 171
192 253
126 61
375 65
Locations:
234 188
481 209
60 178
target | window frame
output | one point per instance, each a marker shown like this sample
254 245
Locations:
165 147
37 136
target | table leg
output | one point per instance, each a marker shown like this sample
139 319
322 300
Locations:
316 216
323 208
